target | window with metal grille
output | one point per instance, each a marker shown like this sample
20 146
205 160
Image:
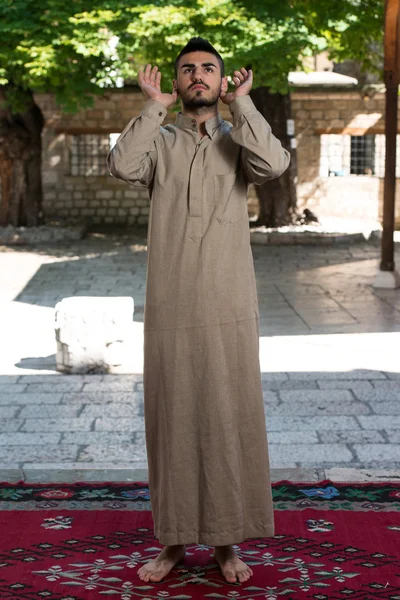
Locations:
343 155
88 153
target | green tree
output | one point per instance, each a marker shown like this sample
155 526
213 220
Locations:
64 48
270 37
44 48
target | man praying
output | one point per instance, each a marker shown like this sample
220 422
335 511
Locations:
205 426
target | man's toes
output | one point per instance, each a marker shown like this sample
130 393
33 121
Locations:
243 576
230 575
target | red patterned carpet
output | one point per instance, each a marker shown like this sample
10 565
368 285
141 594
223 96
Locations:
86 541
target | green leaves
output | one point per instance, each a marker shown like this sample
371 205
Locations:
71 49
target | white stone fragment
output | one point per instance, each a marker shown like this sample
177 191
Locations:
94 334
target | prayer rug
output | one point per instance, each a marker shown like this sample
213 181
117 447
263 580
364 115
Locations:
86 541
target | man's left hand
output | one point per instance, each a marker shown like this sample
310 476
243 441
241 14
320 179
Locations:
243 81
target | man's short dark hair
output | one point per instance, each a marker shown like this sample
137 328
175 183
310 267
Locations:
199 44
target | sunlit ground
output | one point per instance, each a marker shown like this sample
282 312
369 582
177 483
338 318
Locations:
28 347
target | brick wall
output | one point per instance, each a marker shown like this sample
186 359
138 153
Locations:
344 112
103 199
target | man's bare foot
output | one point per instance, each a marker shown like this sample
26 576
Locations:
232 567
159 567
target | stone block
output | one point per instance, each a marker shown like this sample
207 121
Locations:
94 334
105 194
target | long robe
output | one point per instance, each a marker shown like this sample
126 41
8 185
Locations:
205 425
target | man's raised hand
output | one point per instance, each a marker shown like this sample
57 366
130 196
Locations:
149 81
243 81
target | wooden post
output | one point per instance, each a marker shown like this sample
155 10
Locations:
387 277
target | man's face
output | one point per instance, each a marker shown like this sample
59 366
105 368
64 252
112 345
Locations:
199 79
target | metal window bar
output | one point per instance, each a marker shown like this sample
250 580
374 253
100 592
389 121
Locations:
362 155
89 152
343 155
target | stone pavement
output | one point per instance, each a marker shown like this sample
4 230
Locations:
329 351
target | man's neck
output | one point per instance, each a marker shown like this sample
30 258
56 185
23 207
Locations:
201 115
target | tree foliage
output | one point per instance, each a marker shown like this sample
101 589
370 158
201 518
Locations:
64 47
46 47
272 36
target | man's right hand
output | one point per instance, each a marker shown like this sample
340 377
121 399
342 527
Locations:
149 81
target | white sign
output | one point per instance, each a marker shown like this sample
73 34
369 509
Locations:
290 126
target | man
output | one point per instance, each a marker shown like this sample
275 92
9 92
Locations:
204 416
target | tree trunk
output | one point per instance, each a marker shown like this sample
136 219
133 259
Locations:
277 197
20 165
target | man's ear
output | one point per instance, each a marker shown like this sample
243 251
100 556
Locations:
224 84
175 85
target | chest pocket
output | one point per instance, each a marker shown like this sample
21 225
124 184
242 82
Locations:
230 196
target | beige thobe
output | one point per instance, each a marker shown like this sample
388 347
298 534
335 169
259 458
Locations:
204 415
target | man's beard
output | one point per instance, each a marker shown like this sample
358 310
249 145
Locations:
199 101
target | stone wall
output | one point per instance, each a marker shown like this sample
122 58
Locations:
344 112
103 199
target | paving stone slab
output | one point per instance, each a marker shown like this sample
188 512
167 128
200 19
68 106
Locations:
93 398
343 474
289 385
121 378
38 453
333 384
379 422
116 386
266 377
60 378
12 388
8 379
392 375
121 452
8 412
88 466
131 474
323 396
300 453
121 424
357 436
11 475
283 423
293 437
48 411
354 374
270 397
378 452
22 398
391 385
99 437
128 409
376 396
9 425
61 424
393 435
73 386
29 439
315 408
386 408
296 474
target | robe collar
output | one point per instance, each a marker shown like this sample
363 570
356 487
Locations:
211 124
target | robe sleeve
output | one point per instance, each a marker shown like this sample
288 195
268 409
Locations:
134 157
263 156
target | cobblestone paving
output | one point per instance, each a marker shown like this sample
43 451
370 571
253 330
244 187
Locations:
329 350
